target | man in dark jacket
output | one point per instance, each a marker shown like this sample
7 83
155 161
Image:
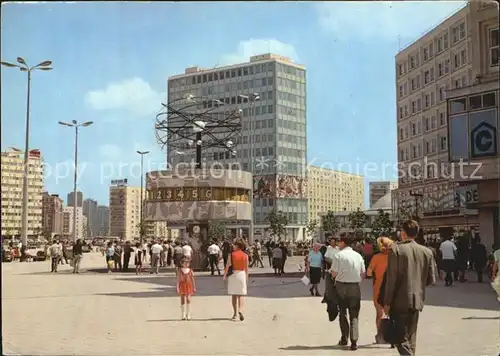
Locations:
127 251
480 257
462 244
77 255
410 269
226 250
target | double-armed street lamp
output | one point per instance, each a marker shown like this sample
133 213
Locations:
141 226
76 125
24 67
252 98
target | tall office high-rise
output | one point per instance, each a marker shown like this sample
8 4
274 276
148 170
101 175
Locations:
12 168
378 190
276 126
437 62
90 211
103 220
124 212
81 222
71 199
52 215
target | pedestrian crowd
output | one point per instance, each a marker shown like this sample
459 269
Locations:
400 270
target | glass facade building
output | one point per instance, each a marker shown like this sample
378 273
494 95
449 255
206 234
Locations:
274 126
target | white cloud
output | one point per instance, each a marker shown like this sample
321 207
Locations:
383 20
110 151
254 47
134 95
128 151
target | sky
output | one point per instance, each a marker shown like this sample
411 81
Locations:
112 62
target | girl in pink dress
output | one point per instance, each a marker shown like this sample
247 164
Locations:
185 287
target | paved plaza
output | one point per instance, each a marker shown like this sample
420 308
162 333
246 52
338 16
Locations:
124 314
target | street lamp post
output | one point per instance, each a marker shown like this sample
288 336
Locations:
416 196
76 125
141 220
252 98
24 67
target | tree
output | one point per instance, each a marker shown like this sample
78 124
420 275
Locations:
47 234
382 224
217 231
403 214
312 228
329 223
277 224
142 229
357 221
38 231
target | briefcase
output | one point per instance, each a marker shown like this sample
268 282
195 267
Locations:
388 330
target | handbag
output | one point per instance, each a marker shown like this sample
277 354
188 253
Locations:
305 280
388 330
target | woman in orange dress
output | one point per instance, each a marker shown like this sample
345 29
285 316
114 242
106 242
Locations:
185 287
236 273
376 269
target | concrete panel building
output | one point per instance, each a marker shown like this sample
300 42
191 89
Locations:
378 190
52 215
12 173
473 125
70 199
275 130
81 223
331 190
438 62
124 212
103 220
90 211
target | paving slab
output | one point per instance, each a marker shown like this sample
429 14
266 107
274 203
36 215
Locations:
125 314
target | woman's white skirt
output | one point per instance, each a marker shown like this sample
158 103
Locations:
237 283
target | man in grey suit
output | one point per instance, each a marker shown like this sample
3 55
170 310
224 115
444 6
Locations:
410 269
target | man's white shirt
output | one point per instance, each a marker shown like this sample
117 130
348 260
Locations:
187 250
213 249
331 252
448 250
349 266
156 248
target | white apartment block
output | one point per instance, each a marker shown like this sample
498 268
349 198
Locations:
124 212
157 230
275 130
81 222
331 190
437 62
380 189
12 173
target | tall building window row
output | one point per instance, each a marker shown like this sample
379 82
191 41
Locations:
439 44
226 74
494 41
291 125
